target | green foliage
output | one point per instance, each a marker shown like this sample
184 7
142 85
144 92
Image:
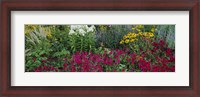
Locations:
60 38
37 44
34 59
80 42
167 33
37 39
61 53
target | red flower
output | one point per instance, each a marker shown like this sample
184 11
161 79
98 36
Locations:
172 59
155 44
168 51
64 65
43 61
162 43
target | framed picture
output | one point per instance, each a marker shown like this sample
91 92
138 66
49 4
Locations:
136 48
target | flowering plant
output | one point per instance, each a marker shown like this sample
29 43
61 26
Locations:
99 48
81 29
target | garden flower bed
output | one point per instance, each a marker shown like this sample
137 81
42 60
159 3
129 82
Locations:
100 48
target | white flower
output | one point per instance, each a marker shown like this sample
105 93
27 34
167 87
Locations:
81 29
91 29
82 32
72 32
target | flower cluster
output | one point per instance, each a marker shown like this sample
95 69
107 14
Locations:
81 29
116 61
148 34
131 37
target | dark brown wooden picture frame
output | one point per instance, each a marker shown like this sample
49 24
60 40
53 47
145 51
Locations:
193 90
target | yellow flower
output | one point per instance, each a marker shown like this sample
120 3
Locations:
132 40
137 35
126 41
129 33
140 33
140 26
145 34
122 42
138 30
133 35
128 36
153 30
151 35
102 27
124 37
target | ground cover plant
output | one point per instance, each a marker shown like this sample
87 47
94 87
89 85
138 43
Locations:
99 48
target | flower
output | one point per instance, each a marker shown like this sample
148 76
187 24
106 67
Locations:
153 30
138 30
151 34
168 51
132 40
155 44
162 42
64 65
122 42
140 33
81 29
133 35
82 32
43 61
90 29
129 34
145 34
72 32
140 26
124 37
126 41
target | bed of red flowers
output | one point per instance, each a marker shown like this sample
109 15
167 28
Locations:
158 59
